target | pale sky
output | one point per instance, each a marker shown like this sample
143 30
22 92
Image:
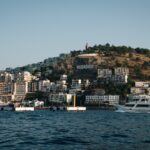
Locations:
33 30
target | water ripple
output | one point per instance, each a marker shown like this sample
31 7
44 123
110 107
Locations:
91 130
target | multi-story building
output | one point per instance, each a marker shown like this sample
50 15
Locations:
24 76
60 98
102 99
85 66
121 71
104 73
141 88
6 77
44 85
20 90
76 84
117 75
33 86
6 91
119 79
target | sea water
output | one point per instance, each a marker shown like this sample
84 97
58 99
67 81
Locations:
90 130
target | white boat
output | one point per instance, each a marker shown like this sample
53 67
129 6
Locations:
6 106
139 103
24 109
78 108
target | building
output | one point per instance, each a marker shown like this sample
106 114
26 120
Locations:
137 97
141 88
85 66
121 71
76 84
119 79
60 98
6 77
33 86
20 90
104 73
117 75
6 91
44 85
24 76
102 100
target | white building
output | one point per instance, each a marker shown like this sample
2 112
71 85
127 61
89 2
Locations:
142 84
20 90
27 76
119 78
141 88
60 98
104 73
6 77
63 77
44 85
121 71
76 84
104 99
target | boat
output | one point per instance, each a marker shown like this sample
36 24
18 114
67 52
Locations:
77 108
138 103
6 106
21 109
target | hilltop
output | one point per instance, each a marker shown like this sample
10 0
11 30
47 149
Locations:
109 56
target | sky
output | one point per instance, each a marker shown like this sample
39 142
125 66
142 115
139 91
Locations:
33 30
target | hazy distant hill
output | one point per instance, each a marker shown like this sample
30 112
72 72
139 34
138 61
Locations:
136 59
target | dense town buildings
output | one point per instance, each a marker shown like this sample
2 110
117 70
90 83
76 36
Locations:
88 83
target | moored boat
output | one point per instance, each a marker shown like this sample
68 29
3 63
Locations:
6 106
20 109
139 103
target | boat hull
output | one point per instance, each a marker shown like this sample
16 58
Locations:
122 108
76 108
20 109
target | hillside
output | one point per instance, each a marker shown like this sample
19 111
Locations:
109 56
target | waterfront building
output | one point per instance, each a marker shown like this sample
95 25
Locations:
59 98
102 99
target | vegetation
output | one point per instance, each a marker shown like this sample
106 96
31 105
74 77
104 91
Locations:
136 59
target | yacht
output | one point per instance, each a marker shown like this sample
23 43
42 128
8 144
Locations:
136 103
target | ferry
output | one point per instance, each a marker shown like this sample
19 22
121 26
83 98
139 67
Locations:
139 103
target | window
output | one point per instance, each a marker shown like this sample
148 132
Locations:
142 105
129 105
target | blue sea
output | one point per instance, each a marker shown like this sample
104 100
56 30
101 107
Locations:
90 130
